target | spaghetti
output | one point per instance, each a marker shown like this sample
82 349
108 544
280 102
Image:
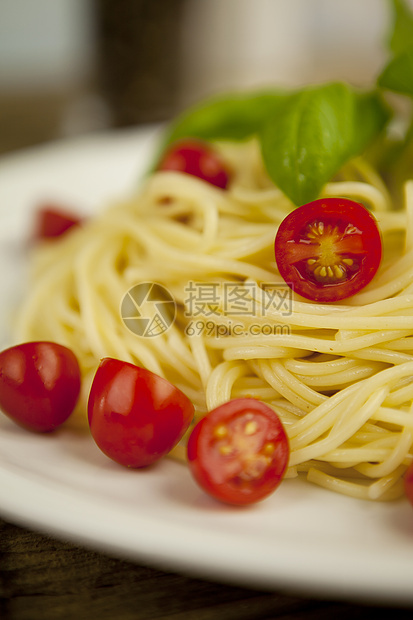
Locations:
340 376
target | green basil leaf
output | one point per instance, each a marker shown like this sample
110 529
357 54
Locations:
398 74
371 114
230 117
314 133
401 34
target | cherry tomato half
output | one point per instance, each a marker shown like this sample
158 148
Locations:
135 416
408 483
52 221
198 159
39 384
329 249
238 453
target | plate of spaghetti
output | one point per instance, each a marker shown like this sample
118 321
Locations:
169 266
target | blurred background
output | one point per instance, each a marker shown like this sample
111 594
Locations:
70 67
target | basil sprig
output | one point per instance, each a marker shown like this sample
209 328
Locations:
305 135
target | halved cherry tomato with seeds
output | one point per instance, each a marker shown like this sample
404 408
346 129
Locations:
329 249
238 453
198 159
135 416
39 384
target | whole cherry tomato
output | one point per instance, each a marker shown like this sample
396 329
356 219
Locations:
135 416
39 384
329 249
52 221
408 483
198 159
238 453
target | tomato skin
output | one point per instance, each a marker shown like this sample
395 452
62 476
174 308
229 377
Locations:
39 384
334 233
238 453
197 159
53 221
135 416
408 483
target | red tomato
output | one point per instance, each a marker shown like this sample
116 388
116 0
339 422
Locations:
39 384
198 159
408 483
238 453
329 249
53 221
135 416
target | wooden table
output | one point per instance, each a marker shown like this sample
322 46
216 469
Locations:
42 578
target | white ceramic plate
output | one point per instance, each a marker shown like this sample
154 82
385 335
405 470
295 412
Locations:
302 538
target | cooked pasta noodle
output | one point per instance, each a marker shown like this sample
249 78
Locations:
340 376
